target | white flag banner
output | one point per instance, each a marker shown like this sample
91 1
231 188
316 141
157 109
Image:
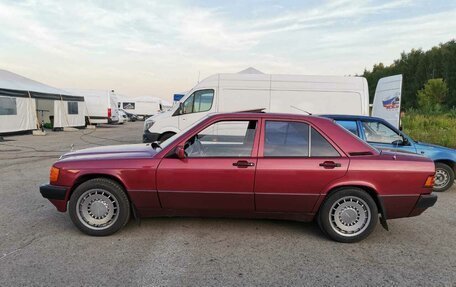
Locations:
387 99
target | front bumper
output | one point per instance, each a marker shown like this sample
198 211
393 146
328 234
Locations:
53 192
149 137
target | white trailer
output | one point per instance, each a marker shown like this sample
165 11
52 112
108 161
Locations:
143 107
273 93
101 105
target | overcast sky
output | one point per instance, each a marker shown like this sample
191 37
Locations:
158 48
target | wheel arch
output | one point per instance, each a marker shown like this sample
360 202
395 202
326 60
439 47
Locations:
448 162
368 189
85 177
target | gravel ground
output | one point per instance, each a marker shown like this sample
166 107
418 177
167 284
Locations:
40 246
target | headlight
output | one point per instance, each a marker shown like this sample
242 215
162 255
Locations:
148 125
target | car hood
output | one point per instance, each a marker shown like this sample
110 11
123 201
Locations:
421 145
112 152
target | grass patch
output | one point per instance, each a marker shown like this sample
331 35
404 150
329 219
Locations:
438 129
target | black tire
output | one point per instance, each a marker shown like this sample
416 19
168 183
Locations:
443 170
113 196
165 136
354 199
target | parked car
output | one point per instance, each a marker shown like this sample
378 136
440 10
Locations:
254 165
382 135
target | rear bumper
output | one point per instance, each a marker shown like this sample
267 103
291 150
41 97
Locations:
149 137
53 192
424 202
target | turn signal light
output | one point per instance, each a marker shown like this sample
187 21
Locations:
54 174
429 181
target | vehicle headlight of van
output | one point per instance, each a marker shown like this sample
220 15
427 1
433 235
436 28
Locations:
148 124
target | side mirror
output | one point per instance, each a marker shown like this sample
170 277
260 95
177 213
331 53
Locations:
180 152
181 108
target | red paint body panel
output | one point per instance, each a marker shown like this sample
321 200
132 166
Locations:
293 184
282 188
205 183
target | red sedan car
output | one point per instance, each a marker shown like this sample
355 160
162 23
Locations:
254 165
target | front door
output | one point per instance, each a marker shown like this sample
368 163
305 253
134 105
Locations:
385 138
218 170
195 107
296 165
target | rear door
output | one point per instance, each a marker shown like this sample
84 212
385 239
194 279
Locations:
296 162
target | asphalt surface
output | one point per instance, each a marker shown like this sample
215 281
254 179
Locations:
40 246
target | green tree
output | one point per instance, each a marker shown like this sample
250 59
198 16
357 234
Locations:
433 95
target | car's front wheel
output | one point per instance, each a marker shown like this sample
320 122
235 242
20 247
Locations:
348 215
444 177
99 207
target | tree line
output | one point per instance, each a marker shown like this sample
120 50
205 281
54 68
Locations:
424 73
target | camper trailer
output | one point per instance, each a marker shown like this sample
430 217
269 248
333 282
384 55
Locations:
101 105
142 107
296 94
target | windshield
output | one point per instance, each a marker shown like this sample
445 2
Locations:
174 137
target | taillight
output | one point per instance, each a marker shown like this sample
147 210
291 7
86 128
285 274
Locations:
109 112
54 174
429 181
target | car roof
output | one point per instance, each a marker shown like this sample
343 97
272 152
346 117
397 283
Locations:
348 142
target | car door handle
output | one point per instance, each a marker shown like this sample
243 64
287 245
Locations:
330 164
243 163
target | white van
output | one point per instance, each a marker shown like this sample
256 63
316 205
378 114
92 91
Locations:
101 105
297 94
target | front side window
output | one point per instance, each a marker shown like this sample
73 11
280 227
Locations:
8 106
349 126
72 108
379 133
223 139
199 101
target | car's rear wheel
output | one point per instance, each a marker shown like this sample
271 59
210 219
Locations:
348 215
444 177
99 207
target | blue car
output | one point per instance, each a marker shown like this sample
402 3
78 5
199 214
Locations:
382 135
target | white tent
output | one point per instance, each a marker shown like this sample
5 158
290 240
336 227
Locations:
24 103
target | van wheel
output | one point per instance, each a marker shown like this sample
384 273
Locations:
165 136
444 177
99 207
348 215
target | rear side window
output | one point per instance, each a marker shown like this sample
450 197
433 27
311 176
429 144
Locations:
295 139
286 139
349 126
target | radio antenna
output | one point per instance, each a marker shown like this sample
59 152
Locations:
301 110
